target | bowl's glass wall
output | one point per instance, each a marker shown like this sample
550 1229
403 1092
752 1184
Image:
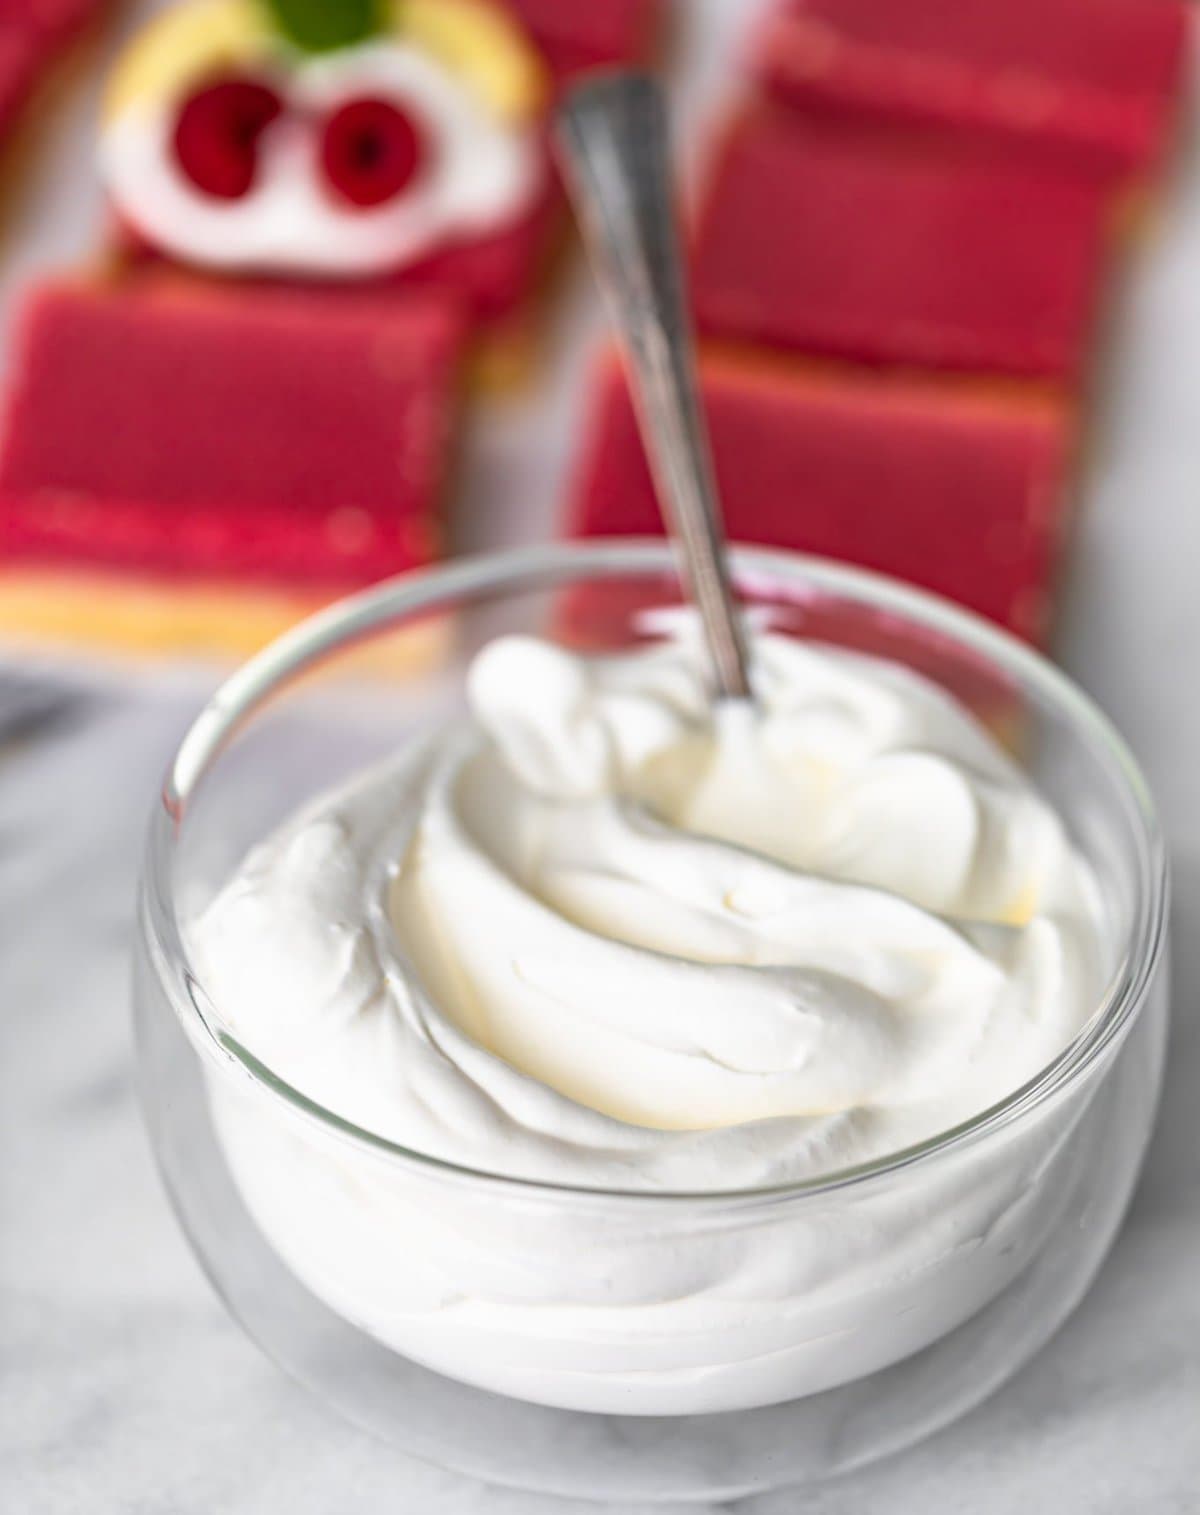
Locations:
891 1304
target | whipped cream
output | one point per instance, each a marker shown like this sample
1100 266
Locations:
605 934
484 174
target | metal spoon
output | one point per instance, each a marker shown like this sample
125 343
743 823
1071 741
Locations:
611 136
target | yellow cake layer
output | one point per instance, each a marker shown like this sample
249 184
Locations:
147 619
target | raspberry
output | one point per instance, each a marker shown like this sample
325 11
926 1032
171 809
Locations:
216 135
371 150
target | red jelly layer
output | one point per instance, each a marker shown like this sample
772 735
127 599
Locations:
1093 82
838 243
274 435
266 546
574 36
956 489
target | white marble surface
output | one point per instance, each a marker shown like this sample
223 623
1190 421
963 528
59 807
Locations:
125 1388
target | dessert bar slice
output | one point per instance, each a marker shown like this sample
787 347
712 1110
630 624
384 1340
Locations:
839 243
385 148
1091 83
956 488
203 449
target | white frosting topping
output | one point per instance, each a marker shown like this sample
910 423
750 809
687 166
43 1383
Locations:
483 174
609 935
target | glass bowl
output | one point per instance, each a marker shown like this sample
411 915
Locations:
899 1294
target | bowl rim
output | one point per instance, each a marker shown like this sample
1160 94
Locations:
527 569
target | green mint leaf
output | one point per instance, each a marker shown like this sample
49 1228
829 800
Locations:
319 26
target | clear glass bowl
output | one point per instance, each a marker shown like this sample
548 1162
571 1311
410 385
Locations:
913 1286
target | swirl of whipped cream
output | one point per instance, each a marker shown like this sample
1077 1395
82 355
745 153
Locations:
484 174
607 934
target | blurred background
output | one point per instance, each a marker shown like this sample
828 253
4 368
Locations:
275 325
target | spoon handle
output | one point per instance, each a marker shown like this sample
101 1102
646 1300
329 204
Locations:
612 143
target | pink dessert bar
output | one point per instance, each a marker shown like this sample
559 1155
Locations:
956 488
836 243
